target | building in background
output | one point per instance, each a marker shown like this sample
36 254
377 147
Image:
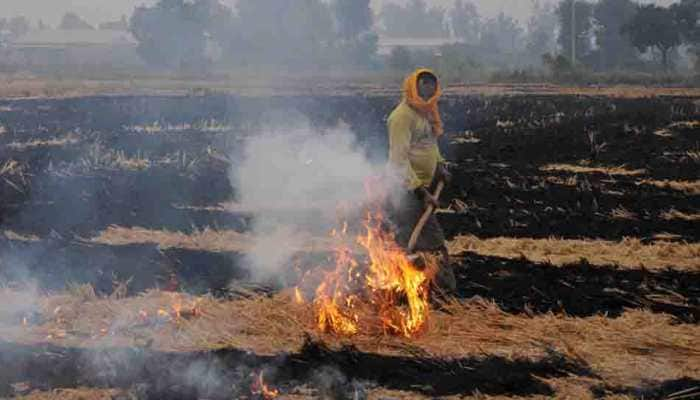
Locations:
387 44
72 51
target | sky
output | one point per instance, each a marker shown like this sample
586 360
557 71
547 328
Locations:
96 11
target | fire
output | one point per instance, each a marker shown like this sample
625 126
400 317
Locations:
177 307
176 312
335 294
392 276
298 297
260 388
184 312
382 283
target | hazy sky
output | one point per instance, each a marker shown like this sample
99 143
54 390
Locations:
96 11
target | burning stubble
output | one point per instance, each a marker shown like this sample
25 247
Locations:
303 181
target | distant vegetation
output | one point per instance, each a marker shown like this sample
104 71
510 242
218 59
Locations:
615 40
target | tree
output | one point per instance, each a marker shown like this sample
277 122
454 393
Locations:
171 34
18 26
501 33
356 42
465 21
541 30
615 48
559 66
687 14
284 32
72 21
194 34
583 24
352 17
655 27
415 20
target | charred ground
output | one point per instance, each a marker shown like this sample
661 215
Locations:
560 168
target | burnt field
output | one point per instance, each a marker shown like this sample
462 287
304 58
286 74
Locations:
574 221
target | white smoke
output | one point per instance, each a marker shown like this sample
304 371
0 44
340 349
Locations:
302 169
294 180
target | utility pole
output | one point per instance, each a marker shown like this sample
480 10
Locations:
573 32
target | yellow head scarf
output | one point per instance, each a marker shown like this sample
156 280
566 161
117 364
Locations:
428 109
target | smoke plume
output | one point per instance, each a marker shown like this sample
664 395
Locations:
295 180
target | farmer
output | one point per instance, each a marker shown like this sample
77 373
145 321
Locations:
414 156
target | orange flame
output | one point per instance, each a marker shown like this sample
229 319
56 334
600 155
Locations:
177 307
385 282
259 388
298 297
392 276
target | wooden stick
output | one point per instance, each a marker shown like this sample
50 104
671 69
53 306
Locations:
424 219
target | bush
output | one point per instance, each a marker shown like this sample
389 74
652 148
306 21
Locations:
559 66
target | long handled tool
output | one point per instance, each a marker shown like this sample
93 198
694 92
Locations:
424 219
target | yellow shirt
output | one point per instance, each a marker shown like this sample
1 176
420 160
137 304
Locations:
413 150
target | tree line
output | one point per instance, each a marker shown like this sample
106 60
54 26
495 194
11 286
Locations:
294 34
18 26
607 34
614 34
600 35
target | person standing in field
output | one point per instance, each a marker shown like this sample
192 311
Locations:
414 128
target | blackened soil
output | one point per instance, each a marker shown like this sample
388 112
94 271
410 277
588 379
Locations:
523 287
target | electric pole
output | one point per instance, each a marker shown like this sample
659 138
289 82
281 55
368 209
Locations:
573 32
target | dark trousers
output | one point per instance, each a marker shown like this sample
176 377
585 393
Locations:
405 216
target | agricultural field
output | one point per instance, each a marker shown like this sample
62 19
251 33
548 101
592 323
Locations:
573 217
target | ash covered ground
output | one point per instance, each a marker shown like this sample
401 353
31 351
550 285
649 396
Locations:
573 218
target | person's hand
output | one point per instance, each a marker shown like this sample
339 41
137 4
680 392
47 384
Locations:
428 198
443 174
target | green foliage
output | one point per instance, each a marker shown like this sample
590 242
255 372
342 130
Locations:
558 65
616 51
687 14
656 28
172 33
193 35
